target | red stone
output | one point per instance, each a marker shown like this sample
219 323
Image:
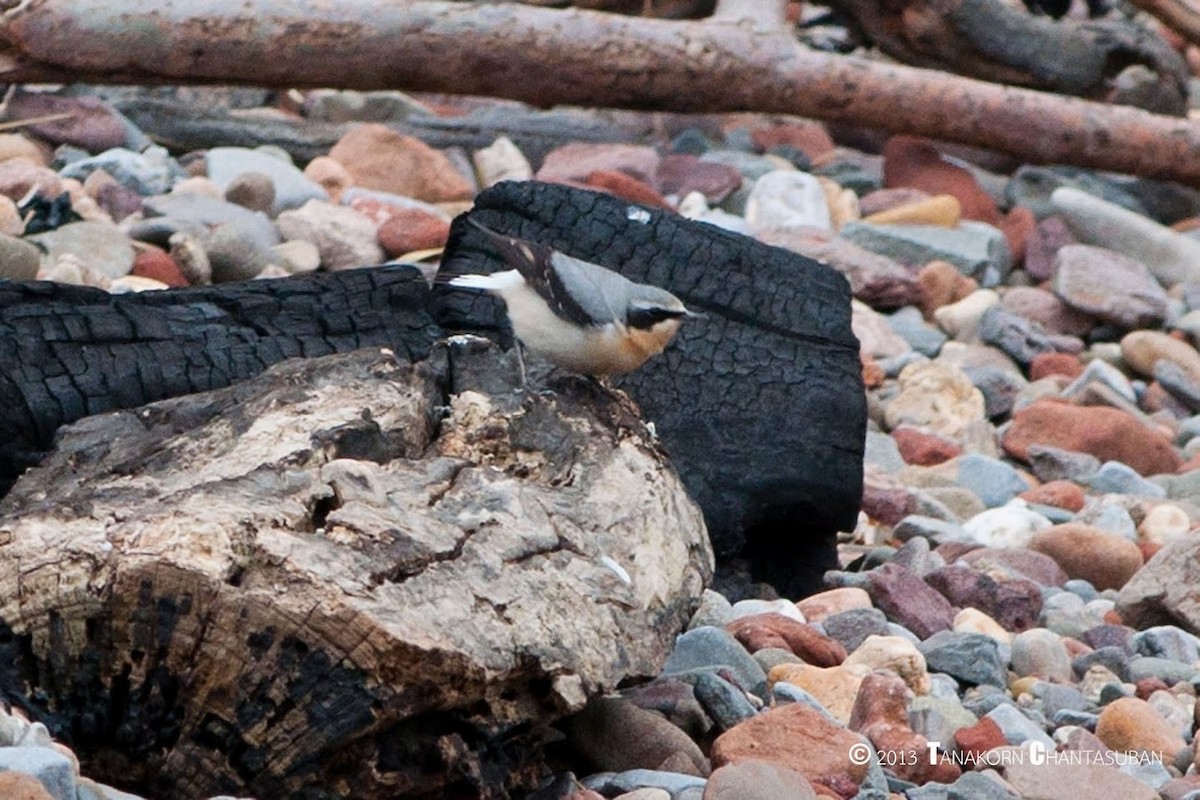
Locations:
1014 602
681 174
795 736
626 187
118 200
884 498
941 285
90 123
157 265
807 136
1017 226
1149 548
410 230
1110 434
873 374
760 631
923 448
835 787
881 714
22 786
916 163
380 158
1107 560
1060 494
909 601
952 551
1045 364
1107 636
1148 686
1038 567
1178 788
19 175
574 162
1075 648
980 737
1042 306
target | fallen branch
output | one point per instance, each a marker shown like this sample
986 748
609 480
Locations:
27 121
547 57
1181 16
993 41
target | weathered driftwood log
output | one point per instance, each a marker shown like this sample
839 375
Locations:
70 351
760 403
182 125
994 41
349 577
548 57
1181 16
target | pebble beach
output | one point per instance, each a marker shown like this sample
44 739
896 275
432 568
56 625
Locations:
1016 614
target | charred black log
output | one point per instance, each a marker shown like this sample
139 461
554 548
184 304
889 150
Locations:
67 352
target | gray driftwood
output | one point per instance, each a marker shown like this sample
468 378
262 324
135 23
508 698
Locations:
349 575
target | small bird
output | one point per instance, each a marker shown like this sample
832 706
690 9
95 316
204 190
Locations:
578 315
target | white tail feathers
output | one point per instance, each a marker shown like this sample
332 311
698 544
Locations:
493 282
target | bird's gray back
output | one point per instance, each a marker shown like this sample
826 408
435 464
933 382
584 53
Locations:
603 294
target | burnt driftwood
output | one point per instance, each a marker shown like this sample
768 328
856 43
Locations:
760 403
67 352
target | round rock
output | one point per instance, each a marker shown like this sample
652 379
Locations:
1106 560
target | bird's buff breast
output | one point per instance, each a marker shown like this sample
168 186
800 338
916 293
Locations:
606 350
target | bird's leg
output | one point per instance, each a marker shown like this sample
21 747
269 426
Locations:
525 388
521 363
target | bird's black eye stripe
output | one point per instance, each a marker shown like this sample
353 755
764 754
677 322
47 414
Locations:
649 317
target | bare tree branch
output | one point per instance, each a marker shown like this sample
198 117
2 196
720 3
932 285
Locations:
1181 16
548 57
993 41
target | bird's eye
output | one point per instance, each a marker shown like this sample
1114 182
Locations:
649 317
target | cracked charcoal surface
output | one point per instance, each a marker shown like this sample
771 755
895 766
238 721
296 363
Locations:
771 372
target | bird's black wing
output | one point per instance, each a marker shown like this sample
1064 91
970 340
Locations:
534 261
